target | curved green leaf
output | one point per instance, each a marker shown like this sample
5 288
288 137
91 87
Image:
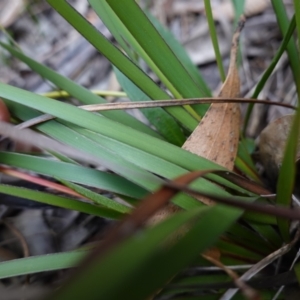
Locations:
183 57
42 263
119 60
112 209
156 261
74 173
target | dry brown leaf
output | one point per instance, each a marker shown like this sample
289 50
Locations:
216 137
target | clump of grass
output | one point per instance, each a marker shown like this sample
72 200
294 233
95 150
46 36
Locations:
135 260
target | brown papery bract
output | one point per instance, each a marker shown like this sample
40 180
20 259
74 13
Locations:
217 135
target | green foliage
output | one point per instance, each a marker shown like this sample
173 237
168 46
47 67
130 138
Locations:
214 38
36 264
125 268
286 180
139 158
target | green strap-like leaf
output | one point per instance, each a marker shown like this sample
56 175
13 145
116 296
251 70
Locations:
214 39
74 173
269 70
42 263
96 197
158 117
286 179
109 209
156 48
155 261
125 38
292 51
79 92
119 60
113 130
183 57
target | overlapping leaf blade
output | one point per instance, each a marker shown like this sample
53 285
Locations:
134 150
42 263
120 269
109 209
73 173
79 92
119 60
163 122
113 130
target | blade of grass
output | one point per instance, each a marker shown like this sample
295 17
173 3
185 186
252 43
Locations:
155 47
269 70
292 52
111 210
122 167
142 159
42 263
297 16
180 82
79 92
64 134
230 249
117 29
70 172
270 233
214 38
183 57
287 171
249 239
111 129
239 6
96 197
244 162
260 219
117 58
64 94
163 122
152 258
121 32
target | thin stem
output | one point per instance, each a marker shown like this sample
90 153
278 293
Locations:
214 39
